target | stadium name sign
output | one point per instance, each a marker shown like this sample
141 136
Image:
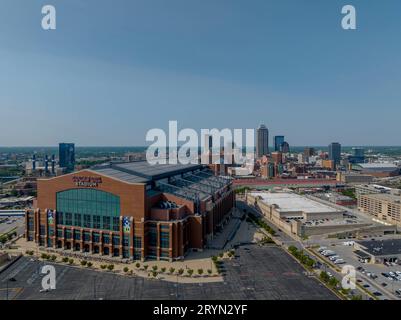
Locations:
87 182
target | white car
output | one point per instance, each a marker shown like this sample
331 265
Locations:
339 261
398 273
333 258
391 273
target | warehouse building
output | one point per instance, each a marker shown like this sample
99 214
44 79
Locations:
131 210
301 216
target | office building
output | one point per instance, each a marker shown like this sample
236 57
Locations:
278 141
285 147
262 141
309 152
67 156
335 152
131 210
357 156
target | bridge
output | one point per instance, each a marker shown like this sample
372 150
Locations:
12 213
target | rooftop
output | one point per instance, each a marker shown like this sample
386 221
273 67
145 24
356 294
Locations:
378 166
292 202
382 247
143 171
385 196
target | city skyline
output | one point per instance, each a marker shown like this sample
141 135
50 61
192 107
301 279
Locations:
103 79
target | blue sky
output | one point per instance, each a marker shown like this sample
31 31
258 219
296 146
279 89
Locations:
115 69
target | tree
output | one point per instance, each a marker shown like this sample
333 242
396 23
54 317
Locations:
53 257
83 262
110 267
145 267
137 265
154 268
125 269
180 271
209 271
89 264
103 266
71 261
190 272
172 270
163 269
65 259
200 271
154 274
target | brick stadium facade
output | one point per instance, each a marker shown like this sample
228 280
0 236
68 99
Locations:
131 210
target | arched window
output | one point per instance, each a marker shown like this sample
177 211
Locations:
89 208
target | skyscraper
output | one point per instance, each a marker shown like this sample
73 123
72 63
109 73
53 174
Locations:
285 147
262 142
278 141
358 155
67 156
335 152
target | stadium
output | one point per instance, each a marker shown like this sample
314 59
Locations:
131 210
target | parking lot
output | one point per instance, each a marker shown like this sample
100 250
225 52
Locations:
266 273
370 276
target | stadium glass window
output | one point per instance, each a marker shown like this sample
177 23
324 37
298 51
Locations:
116 240
87 221
106 223
164 255
89 202
96 222
59 217
68 234
77 220
125 241
152 253
42 230
116 224
87 236
68 219
137 242
125 253
137 256
30 224
60 233
96 237
77 235
164 239
152 237
106 239
51 231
